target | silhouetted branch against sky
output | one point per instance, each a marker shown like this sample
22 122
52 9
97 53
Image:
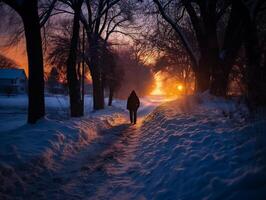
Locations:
177 28
11 27
6 62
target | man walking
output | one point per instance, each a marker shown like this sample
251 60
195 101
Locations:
132 106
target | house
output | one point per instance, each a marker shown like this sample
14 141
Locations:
13 81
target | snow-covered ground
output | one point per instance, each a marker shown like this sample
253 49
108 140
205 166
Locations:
13 110
199 147
56 137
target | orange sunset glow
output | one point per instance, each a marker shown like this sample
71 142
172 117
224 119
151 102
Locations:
166 86
123 99
18 55
158 90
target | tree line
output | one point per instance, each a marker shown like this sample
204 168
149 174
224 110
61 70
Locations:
207 35
99 18
214 34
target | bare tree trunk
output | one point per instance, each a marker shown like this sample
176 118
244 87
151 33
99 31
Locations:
202 74
98 92
73 82
96 74
234 36
219 84
255 73
28 11
202 81
83 70
206 34
255 76
111 95
36 107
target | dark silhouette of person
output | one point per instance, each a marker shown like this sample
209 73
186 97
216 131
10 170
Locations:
132 106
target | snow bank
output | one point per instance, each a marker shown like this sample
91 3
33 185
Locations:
199 147
30 150
39 148
202 147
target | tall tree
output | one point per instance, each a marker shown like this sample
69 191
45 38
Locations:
256 71
102 18
233 39
32 23
112 74
28 11
204 17
76 107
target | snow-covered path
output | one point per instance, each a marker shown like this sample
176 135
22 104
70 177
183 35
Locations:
82 175
96 171
173 154
197 148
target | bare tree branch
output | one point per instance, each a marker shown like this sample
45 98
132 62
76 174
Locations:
180 33
46 14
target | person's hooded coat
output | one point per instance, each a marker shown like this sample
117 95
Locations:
133 101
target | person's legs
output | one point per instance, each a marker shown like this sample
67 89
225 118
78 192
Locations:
131 116
135 116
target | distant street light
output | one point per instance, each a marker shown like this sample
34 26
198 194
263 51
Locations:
180 87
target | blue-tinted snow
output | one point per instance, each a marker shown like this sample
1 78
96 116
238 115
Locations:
199 147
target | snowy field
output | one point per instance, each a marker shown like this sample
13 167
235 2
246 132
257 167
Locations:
199 147
13 110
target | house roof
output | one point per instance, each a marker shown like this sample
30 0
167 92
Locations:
11 73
